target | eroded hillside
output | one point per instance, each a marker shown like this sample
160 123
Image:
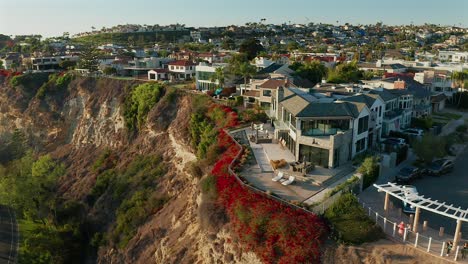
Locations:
140 202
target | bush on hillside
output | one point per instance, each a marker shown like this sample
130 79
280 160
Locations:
370 171
140 101
274 231
350 223
29 82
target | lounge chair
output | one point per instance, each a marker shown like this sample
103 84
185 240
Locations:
278 177
289 181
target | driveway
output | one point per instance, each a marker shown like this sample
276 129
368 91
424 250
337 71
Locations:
8 236
451 188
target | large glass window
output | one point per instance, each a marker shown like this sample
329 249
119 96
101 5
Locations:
360 145
323 127
267 93
363 124
315 155
205 76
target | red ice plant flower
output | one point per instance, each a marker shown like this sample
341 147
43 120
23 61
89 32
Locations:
276 232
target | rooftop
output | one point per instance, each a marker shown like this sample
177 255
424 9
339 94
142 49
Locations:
303 106
182 63
274 83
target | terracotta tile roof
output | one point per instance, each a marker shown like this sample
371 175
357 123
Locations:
182 63
274 83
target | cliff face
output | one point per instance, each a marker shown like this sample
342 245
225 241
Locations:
77 126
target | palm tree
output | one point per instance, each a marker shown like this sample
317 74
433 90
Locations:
218 77
246 70
459 78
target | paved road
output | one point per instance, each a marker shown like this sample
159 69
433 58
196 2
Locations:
451 188
8 236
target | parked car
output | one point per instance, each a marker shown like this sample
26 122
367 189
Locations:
414 132
407 174
439 167
399 141
409 191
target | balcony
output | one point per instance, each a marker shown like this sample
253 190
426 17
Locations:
321 132
390 115
336 138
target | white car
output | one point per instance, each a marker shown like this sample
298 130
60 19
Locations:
409 191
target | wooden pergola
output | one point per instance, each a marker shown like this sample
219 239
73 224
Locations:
421 202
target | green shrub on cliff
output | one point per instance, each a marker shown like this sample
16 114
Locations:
29 82
56 83
141 100
350 223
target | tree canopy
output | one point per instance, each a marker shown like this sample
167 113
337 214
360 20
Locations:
429 148
345 73
89 59
251 47
313 71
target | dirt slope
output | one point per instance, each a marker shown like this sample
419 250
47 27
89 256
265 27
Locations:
88 119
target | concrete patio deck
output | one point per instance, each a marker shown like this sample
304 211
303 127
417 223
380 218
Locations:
303 188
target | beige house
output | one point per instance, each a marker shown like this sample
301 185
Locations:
327 134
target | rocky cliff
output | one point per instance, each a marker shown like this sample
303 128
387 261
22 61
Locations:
78 124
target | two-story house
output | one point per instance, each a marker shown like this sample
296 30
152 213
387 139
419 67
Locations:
10 60
376 106
325 133
394 117
182 70
414 93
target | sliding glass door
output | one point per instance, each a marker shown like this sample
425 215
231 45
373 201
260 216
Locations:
315 155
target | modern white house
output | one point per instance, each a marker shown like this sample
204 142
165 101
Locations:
204 73
50 64
149 63
453 56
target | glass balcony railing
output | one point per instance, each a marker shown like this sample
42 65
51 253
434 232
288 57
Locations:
321 132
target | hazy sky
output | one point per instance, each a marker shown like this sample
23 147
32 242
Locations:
53 17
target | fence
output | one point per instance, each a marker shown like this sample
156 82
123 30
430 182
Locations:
421 241
326 203
318 209
253 188
391 229
353 187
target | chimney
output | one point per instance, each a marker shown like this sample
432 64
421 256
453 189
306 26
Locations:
401 85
